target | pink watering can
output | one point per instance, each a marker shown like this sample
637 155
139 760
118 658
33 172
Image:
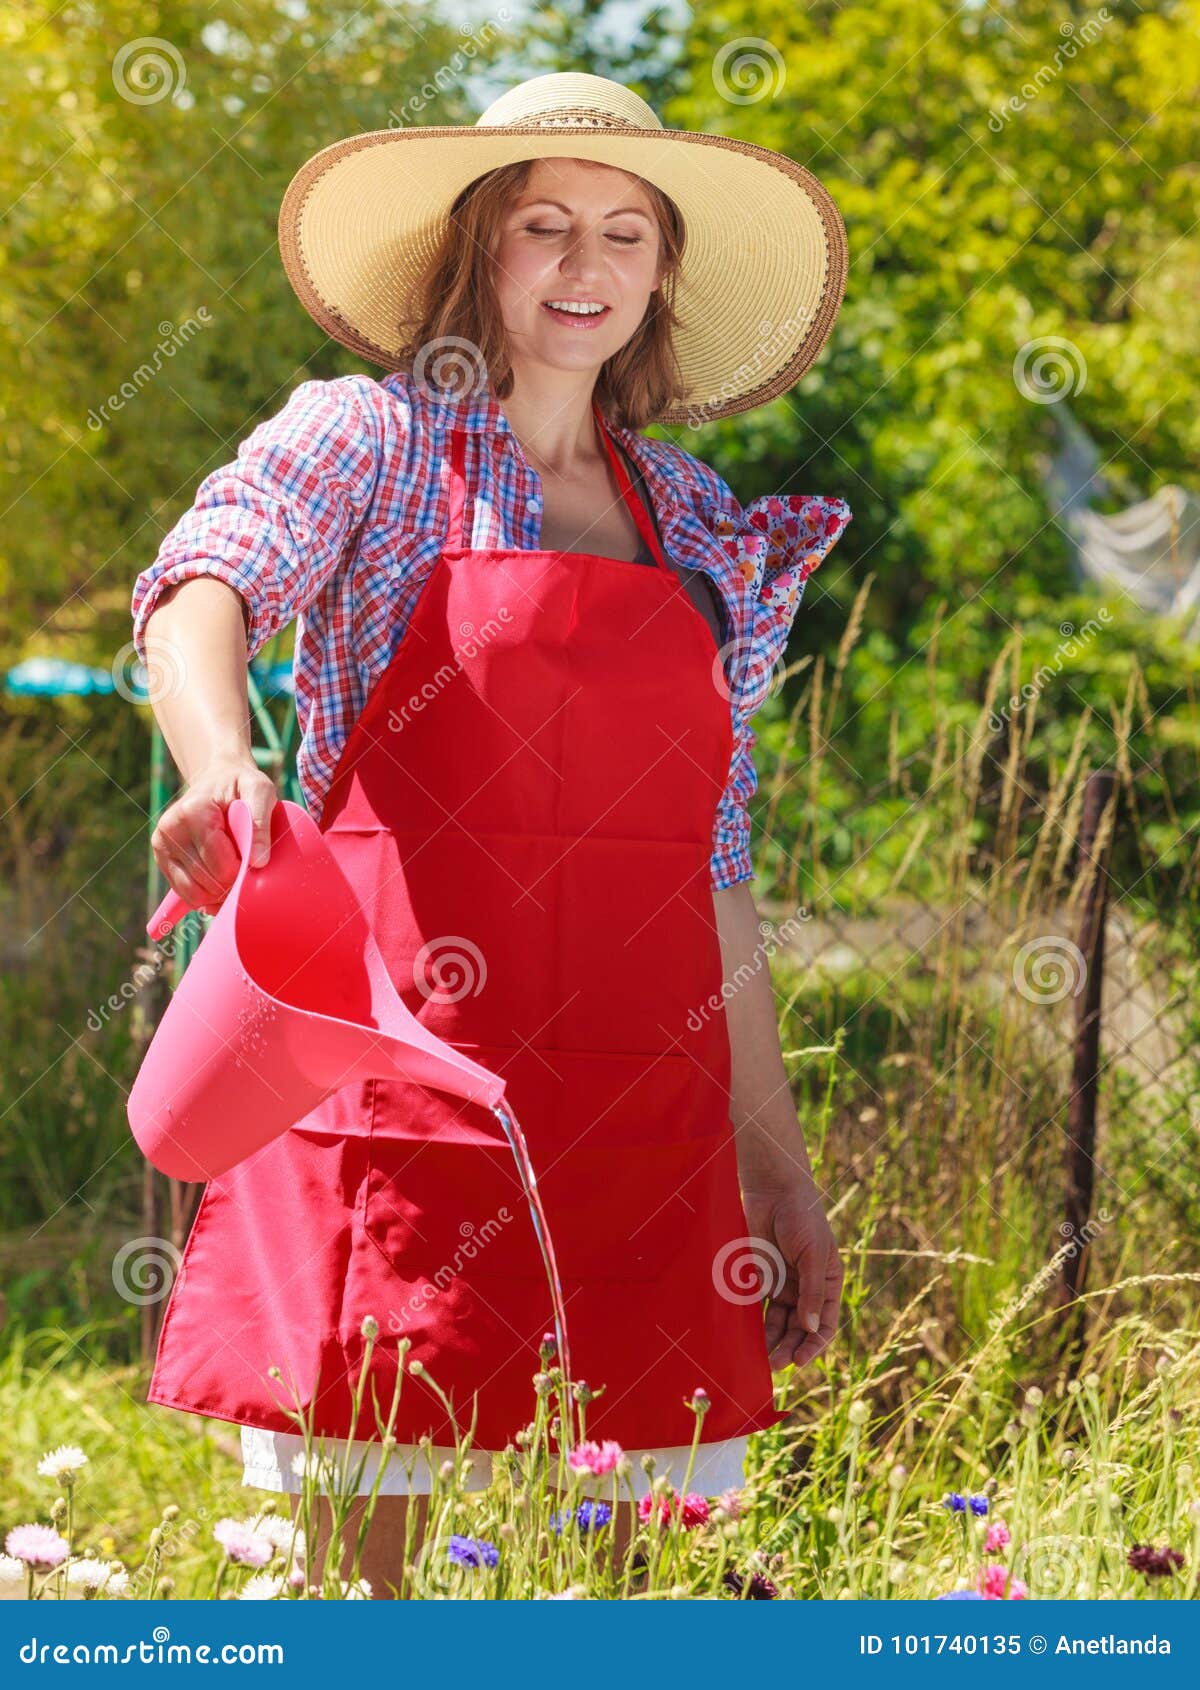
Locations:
286 1000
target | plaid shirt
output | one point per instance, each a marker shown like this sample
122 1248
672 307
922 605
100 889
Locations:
335 510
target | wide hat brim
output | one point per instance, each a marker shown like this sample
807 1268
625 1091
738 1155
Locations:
762 278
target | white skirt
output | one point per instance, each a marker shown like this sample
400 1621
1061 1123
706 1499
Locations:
267 1458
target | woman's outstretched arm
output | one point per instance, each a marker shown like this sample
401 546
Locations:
785 1209
195 641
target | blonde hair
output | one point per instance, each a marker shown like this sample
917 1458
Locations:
641 379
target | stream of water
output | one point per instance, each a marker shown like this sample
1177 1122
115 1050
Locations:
520 1150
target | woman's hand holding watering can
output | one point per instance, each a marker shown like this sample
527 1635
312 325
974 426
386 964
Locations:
191 842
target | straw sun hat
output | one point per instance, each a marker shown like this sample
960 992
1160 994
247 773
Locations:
764 264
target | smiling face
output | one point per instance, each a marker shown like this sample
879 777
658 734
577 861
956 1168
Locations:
578 235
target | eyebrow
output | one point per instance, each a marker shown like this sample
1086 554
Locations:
621 211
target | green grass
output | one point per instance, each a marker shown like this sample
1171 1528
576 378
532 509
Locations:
931 1066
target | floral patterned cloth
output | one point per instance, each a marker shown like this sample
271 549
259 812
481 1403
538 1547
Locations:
333 513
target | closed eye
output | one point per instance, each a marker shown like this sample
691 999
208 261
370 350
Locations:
621 240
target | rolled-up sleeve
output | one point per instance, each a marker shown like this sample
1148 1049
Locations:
276 521
777 542
731 861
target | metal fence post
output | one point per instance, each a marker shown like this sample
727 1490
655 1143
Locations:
1079 1168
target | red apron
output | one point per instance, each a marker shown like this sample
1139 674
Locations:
525 809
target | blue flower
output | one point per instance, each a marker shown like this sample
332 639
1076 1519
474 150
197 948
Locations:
472 1551
956 1502
590 1516
979 1505
961 1596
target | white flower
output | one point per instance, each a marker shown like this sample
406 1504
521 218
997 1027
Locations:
62 1462
261 1588
89 1573
284 1534
360 1591
12 1577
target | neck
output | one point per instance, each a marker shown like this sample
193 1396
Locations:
550 412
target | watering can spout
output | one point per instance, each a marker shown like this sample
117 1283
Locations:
286 1000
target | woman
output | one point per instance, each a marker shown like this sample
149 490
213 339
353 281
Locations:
532 639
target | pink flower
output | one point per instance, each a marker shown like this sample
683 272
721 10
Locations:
997 1538
37 1546
730 1503
242 1545
992 1582
693 1510
596 1458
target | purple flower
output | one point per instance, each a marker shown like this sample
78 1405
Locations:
979 1505
961 1596
956 1502
1155 1563
472 1551
38 1546
761 1587
590 1516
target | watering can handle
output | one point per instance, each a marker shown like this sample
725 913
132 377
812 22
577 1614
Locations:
172 909
175 906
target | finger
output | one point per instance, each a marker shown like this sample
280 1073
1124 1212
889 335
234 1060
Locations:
261 801
190 844
811 1344
208 848
178 854
810 1290
781 1305
192 893
792 1335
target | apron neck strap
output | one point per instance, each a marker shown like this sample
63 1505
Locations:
458 490
637 509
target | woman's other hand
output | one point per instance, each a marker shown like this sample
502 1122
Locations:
785 1211
805 1279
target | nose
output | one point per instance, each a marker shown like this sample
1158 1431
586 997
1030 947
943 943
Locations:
583 258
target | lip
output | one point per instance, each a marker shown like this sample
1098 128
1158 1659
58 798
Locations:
592 321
